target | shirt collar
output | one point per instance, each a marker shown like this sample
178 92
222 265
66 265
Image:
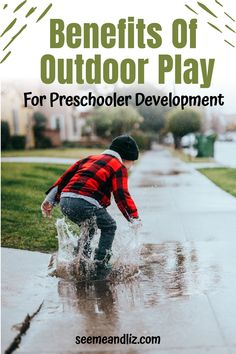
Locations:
112 153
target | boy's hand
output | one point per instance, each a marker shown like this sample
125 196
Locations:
46 208
136 224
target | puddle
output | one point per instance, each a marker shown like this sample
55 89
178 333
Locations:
172 172
159 184
70 263
178 269
169 290
168 270
170 275
164 178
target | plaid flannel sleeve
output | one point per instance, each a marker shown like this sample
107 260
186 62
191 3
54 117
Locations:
122 196
64 179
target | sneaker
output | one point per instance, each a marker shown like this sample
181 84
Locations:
102 271
103 267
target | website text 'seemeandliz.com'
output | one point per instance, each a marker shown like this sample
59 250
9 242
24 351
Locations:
126 338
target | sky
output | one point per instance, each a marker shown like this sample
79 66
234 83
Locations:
34 42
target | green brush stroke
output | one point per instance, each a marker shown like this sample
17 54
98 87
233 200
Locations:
231 29
44 13
214 27
14 37
206 9
30 11
6 56
9 27
188 7
20 5
219 3
229 43
229 16
5 6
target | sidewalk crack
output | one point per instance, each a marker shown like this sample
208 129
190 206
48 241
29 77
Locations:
23 329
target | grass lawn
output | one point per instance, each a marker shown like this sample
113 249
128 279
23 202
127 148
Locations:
225 178
73 153
187 158
23 187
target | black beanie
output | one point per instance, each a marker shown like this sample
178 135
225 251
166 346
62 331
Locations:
126 147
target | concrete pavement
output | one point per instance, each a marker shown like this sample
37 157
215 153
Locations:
225 153
24 285
186 290
35 159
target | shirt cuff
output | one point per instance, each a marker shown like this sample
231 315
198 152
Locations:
50 198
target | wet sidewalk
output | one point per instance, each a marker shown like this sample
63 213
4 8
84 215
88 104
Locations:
186 291
23 286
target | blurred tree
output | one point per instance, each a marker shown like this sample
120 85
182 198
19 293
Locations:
142 139
18 142
39 127
183 122
5 135
153 116
110 122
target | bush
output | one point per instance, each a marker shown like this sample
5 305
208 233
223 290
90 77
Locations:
153 116
182 122
108 123
143 140
44 142
5 135
41 141
70 144
18 142
86 144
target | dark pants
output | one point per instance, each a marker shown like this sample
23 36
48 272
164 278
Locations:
82 212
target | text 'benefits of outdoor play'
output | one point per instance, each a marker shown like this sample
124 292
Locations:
129 34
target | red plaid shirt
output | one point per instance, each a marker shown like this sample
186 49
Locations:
97 176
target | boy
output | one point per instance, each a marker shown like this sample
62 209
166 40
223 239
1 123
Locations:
84 193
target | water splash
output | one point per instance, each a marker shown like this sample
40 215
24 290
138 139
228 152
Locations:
70 263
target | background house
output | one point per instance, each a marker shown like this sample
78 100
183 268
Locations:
18 117
64 123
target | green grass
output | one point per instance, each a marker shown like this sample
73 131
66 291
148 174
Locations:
23 187
187 158
225 178
75 153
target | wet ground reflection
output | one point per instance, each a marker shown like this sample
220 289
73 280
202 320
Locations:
166 178
169 298
168 271
177 269
96 303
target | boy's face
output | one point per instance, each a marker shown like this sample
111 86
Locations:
128 164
